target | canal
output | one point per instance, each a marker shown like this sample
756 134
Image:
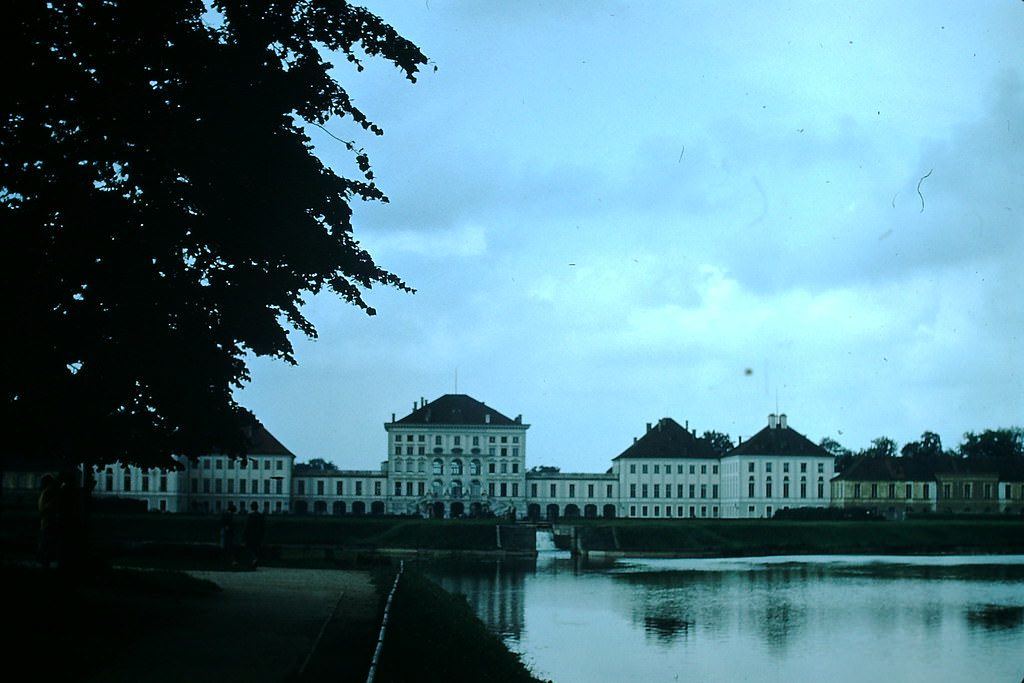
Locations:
799 618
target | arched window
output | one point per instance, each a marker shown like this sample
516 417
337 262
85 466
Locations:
768 488
474 467
422 466
436 487
456 488
457 467
437 467
398 464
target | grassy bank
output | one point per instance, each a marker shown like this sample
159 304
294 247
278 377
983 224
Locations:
775 537
433 635
350 539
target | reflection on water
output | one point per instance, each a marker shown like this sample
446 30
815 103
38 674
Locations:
793 618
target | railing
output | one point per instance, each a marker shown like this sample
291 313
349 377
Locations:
384 625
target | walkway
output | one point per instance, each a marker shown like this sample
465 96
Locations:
267 626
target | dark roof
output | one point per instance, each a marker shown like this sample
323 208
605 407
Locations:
667 439
262 442
456 409
921 469
778 441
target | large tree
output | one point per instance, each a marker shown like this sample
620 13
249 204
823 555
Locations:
164 212
994 443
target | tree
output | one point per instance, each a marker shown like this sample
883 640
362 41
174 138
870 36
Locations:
881 447
929 446
843 456
321 464
165 214
994 443
720 443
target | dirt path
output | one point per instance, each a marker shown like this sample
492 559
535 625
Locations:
271 625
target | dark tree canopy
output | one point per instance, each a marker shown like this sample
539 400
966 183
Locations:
720 443
930 446
994 443
881 447
165 214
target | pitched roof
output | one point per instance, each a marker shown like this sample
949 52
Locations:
456 409
262 442
667 439
778 440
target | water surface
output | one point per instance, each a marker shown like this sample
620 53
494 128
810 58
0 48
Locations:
800 618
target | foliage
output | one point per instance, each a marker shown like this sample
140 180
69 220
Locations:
930 446
881 447
844 456
994 443
545 469
164 212
720 443
319 464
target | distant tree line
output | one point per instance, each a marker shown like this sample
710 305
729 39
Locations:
1006 442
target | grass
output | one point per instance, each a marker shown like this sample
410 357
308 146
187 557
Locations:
434 635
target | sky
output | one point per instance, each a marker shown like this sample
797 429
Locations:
614 212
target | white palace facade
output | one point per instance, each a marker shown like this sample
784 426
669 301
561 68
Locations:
456 456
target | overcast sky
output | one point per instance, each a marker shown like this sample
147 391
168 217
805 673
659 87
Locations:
614 212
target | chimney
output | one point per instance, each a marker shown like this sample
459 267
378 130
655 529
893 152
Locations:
519 419
648 426
782 421
687 425
771 421
392 417
741 441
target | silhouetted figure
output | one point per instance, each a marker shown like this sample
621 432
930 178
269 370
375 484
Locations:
46 549
255 528
227 533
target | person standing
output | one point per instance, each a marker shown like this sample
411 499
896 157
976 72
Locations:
252 537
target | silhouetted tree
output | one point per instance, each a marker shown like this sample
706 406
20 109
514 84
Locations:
720 443
320 464
994 443
164 214
843 456
881 447
929 446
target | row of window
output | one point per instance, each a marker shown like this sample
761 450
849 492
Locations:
243 463
228 486
456 439
656 489
680 511
751 467
590 489
455 467
949 490
503 451
455 489
339 487
667 469
108 482
769 489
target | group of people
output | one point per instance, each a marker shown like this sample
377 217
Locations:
247 554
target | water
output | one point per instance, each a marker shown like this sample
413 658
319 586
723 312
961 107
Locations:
827 618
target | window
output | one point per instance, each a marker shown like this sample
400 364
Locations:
768 488
632 490
320 487
657 491
988 490
656 469
515 439
590 490
504 489
490 489
803 488
458 440
279 464
703 490
714 491
504 439
376 488
242 482
398 437
456 466
266 486
946 493
750 488
504 451
892 490
515 468
643 490
632 469
533 490
692 469
856 490
608 488
437 466
693 489
421 488
145 482
572 490
515 490
266 464
967 490
219 464
803 467
408 488
785 487
437 440
821 487
785 467
359 488
926 491
750 467
714 469
703 469
643 469
821 468
908 491
398 488
554 490
339 487
491 468
767 467
679 490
